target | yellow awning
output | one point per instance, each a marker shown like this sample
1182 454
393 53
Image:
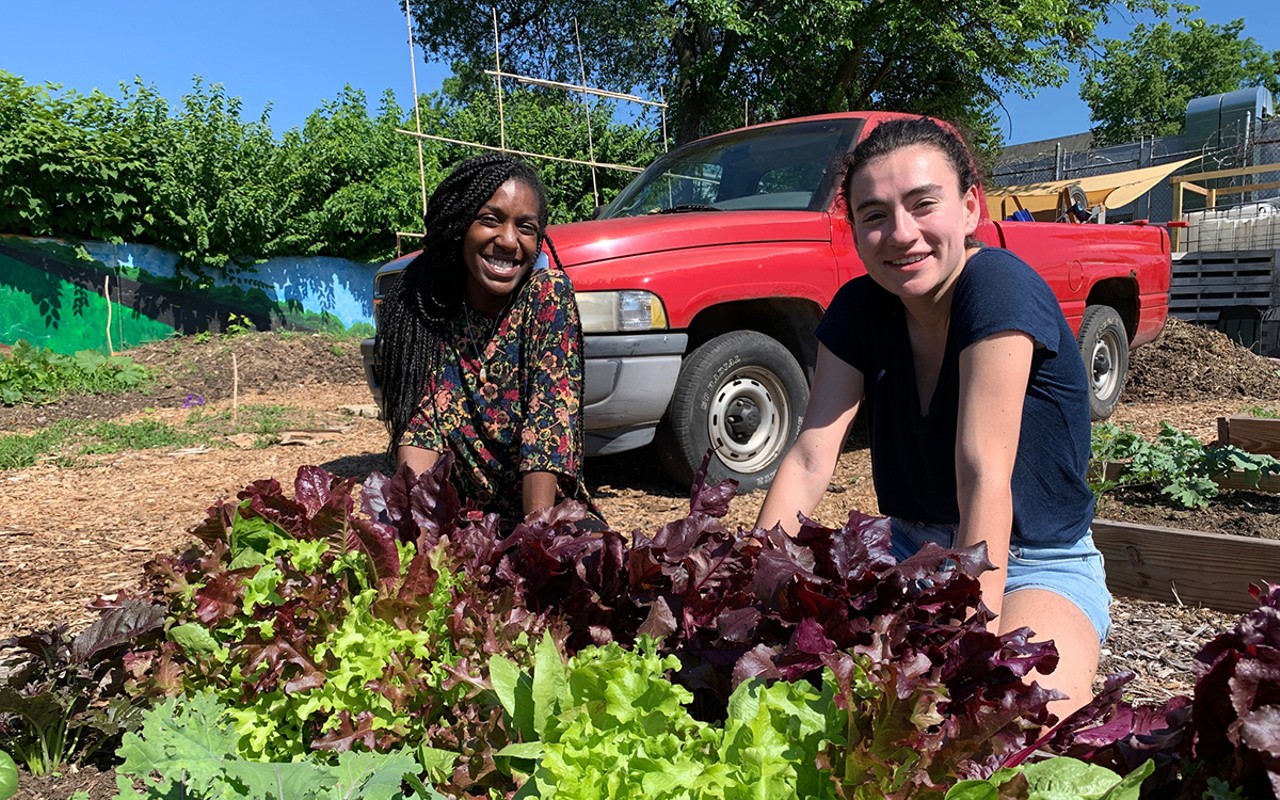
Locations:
1113 190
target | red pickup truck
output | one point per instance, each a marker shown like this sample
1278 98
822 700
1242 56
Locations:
700 286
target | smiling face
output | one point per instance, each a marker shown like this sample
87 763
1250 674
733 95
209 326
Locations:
910 221
500 245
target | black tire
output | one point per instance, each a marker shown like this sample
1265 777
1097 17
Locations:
741 395
1104 346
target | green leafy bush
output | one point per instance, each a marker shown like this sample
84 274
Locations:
1176 462
63 698
200 179
35 375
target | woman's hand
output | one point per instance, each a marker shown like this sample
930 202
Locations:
993 385
806 469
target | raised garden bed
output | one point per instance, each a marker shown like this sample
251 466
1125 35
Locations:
1254 434
1170 565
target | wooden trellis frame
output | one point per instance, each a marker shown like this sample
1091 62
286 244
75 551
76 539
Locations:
498 76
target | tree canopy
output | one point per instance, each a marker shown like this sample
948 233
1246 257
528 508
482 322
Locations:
719 62
223 191
1140 86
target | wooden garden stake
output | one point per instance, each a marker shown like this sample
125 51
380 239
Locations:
235 393
106 292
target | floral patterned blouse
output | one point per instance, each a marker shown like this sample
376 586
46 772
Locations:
507 398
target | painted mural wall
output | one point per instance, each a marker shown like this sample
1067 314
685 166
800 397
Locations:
98 295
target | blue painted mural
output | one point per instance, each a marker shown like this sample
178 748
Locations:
61 295
319 284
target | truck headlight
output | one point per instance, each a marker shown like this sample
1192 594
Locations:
626 310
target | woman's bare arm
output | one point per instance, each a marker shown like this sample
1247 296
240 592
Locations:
993 385
807 467
419 459
537 491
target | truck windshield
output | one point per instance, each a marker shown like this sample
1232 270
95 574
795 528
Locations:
788 167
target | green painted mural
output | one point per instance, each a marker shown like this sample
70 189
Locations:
60 297
68 313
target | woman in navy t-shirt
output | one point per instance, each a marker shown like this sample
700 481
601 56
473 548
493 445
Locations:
976 398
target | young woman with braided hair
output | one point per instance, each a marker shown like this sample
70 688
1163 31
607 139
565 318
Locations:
480 354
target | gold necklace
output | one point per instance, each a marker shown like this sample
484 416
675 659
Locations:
471 326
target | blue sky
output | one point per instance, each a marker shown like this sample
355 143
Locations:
295 54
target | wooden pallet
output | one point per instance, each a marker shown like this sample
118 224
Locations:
1185 567
1202 284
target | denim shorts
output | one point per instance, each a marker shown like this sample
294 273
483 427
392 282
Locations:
1074 571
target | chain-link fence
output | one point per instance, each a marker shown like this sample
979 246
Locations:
1250 218
1227 270
1241 218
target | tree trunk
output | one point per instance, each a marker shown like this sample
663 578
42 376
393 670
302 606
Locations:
701 74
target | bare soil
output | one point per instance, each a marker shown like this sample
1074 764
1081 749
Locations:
68 535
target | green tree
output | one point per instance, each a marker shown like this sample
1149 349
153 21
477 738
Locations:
773 58
357 180
75 165
1141 86
224 194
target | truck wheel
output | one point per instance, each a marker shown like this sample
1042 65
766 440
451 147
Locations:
741 395
1104 346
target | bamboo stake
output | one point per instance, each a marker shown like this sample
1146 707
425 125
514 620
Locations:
586 105
601 164
417 115
497 62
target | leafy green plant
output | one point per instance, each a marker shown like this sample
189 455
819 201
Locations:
238 325
63 697
34 375
189 749
612 722
1221 743
8 776
1053 778
319 629
1178 463
1261 412
763 605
